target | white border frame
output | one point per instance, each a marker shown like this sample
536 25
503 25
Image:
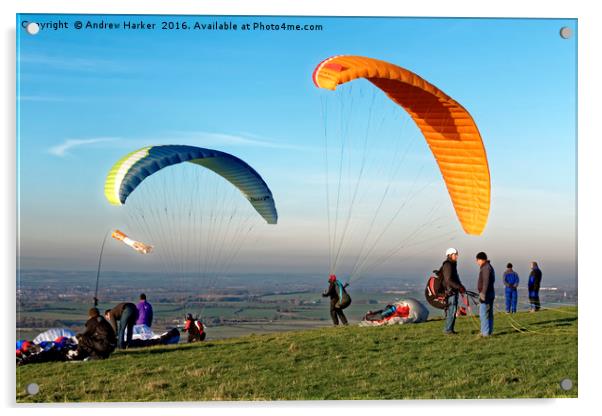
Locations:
589 27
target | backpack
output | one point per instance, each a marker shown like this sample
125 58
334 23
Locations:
435 290
199 326
344 298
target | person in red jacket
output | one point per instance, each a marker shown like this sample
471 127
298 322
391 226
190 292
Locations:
195 329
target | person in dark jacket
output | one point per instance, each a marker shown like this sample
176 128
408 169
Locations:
98 339
511 280
335 311
486 293
453 286
534 284
145 312
126 314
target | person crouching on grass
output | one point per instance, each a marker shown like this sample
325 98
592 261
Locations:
195 329
98 340
486 293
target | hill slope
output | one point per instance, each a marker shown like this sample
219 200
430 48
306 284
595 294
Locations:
396 362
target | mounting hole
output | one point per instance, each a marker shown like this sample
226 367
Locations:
32 389
565 32
32 28
566 384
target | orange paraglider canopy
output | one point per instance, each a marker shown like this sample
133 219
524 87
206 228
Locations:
448 128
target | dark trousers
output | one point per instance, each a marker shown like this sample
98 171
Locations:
336 313
90 347
126 326
534 299
197 336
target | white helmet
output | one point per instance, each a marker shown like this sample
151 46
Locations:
451 251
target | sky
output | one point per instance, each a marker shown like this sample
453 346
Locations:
87 97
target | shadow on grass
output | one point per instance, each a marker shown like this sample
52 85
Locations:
162 350
560 321
503 333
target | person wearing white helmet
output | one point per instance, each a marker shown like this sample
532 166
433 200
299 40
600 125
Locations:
453 286
451 251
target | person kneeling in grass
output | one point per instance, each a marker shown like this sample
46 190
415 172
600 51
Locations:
98 341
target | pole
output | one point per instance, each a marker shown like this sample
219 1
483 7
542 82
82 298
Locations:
102 248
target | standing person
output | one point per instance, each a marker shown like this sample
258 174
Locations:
453 286
145 312
511 280
127 315
534 284
335 311
486 293
98 339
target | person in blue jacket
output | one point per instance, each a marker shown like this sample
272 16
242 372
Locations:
511 280
534 285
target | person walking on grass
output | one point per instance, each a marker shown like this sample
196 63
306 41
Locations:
453 286
486 293
511 280
336 311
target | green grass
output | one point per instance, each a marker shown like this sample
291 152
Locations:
396 362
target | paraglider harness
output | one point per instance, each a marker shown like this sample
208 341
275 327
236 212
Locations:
344 298
195 329
436 293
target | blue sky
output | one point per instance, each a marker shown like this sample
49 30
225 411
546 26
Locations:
88 97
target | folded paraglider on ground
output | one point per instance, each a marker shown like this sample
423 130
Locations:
60 344
145 337
55 344
403 311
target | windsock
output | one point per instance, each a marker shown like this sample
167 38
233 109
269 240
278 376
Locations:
136 245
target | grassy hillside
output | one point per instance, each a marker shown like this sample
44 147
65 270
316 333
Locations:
396 362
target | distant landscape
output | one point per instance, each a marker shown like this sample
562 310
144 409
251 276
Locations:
231 306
